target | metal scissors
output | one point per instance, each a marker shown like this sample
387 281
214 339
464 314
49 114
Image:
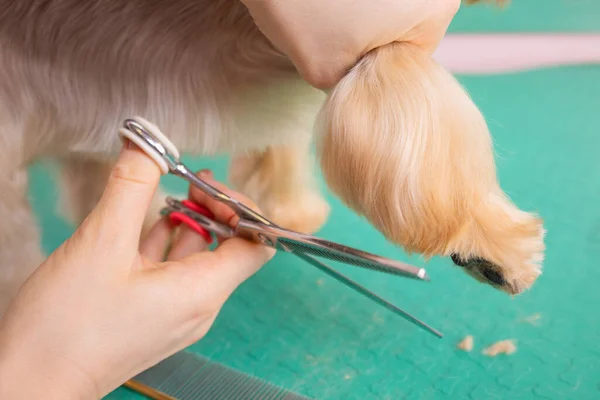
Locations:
257 228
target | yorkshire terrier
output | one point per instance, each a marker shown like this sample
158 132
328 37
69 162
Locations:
398 139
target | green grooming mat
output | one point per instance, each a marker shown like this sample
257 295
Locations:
573 16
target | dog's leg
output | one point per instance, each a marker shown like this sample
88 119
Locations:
281 182
20 252
83 183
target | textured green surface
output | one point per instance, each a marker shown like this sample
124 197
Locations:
306 332
530 16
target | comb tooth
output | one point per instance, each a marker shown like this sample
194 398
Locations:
262 392
214 389
250 390
195 380
228 387
204 383
169 366
191 367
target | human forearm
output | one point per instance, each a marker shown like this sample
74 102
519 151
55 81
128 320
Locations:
30 374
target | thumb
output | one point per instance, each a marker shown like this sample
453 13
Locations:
120 213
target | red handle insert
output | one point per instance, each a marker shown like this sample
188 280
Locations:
177 218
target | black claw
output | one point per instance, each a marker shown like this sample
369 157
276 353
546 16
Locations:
485 268
493 277
458 261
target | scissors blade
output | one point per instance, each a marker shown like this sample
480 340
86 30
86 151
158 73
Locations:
240 208
300 243
365 292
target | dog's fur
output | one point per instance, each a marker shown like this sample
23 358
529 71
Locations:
398 139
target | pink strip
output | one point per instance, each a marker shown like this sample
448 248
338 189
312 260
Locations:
502 53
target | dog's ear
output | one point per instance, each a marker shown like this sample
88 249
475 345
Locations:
402 143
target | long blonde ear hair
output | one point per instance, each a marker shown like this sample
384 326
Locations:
401 142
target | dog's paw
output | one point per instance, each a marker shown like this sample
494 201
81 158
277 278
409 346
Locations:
304 213
501 246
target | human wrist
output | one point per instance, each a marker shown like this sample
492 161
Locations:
31 374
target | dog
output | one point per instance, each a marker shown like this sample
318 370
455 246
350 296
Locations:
398 139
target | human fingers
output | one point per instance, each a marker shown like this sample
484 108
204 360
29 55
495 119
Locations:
120 213
189 241
155 244
431 23
221 211
186 243
212 276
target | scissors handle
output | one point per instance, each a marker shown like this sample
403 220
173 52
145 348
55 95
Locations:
243 211
157 146
197 217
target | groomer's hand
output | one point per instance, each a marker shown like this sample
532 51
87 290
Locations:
325 38
100 311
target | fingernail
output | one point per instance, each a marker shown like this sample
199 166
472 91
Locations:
129 145
205 173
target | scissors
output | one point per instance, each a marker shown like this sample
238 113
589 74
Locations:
255 227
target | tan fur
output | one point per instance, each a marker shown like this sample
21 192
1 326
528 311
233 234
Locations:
507 347
418 163
401 142
466 344
280 178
